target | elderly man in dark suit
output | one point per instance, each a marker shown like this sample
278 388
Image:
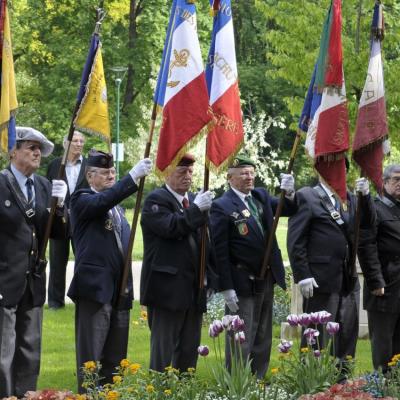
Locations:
24 201
380 262
240 224
101 235
320 246
169 285
74 176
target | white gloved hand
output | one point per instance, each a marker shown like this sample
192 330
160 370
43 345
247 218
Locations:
231 299
59 190
362 186
307 287
203 200
287 184
141 169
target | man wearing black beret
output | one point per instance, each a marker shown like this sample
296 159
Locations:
101 234
240 222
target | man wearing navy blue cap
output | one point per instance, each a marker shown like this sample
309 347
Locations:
24 201
101 234
240 222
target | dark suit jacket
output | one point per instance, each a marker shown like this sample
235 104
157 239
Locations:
81 183
17 238
239 243
317 246
380 258
98 260
170 270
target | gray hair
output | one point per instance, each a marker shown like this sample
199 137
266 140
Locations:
390 170
65 138
89 170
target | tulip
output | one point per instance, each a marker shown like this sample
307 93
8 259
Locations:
304 319
203 351
240 337
324 317
317 353
315 318
215 328
332 328
284 346
237 323
292 319
226 321
310 335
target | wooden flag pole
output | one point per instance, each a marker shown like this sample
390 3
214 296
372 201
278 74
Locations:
42 262
278 212
128 259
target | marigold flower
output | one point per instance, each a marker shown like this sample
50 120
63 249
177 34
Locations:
349 357
143 315
391 363
191 370
167 392
169 368
134 368
124 363
304 349
117 379
80 397
274 371
112 395
89 366
149 388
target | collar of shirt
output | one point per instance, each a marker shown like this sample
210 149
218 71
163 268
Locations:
330 194
242 196
178 196
21 178
78 161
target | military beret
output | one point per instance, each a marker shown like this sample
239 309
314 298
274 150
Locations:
24 133
187 160
100 159
242 161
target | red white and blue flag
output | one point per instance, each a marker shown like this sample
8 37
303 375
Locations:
181 88
324 117
372 127
226 137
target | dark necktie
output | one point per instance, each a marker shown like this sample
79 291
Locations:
254 212
29 191
336 203
116 221
185 202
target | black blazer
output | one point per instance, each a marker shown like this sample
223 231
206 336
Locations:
239 242
17 237
98 259
171 237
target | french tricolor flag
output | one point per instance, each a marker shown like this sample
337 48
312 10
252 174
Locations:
372 127
181 89
226 137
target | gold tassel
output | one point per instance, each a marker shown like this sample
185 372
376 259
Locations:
190 1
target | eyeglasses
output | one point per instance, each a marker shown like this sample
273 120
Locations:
106 172
395 179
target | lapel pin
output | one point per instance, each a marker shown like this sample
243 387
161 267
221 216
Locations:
7 203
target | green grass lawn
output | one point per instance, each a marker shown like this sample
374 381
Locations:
58 349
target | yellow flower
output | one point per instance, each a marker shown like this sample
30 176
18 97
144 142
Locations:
124 363
149 388
143 315
274 371
80 397
169 368
117 379
112 395
349 357
191 370
168 392
392 363
134 368
135 322
304 350
89 366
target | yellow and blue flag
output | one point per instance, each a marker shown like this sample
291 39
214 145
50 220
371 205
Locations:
92 116
8 99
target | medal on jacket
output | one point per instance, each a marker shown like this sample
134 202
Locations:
108 224
243 229
246 213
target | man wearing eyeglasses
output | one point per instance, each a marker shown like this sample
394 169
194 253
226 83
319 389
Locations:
379 257
101 234
240 223
24 201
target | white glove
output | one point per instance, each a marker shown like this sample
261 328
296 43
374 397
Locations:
287 184
203 200
362 186
307 287
141 169
59 190
231 299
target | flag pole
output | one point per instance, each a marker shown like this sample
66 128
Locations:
278 212
128 258
100 14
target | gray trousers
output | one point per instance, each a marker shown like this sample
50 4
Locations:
256 311
101 334
20 347
345 311
384 333
175 337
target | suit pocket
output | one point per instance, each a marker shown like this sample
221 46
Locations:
168 269
319 259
